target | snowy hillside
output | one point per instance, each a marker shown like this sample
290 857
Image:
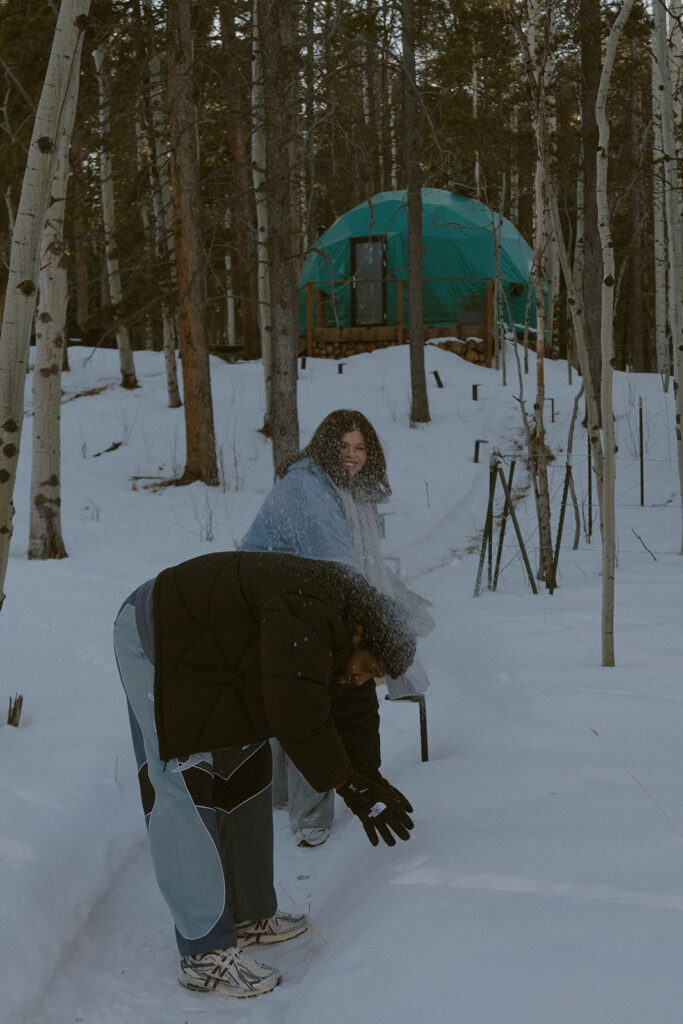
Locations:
543 883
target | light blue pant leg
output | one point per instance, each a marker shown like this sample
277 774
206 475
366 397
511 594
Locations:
184 837
307 807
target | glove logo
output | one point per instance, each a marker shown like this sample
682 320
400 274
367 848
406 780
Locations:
376 810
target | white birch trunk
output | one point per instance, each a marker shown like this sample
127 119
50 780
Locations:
258 158
63 67
577 265
659 225
573 298
45 523
609 448
673 221
128 378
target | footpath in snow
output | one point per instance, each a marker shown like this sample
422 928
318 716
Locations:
543 883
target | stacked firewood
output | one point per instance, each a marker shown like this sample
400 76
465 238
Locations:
472 349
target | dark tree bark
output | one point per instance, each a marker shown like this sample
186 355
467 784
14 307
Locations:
591 69
191 261
277 26
637 335
419 412
243 220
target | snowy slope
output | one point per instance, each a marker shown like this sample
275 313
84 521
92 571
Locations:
544 879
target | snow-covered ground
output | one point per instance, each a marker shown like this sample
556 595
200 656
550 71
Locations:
543 883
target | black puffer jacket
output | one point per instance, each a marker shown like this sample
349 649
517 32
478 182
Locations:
247 646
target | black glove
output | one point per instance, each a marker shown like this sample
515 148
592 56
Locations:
394 793
378 810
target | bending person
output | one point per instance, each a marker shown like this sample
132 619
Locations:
324 506
216 655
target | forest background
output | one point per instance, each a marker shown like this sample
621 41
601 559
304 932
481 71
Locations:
206 145
476 137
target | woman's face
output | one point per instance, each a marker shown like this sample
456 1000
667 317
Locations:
352 452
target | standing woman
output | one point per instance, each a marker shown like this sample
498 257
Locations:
324 505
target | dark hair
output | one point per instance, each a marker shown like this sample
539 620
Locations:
324 448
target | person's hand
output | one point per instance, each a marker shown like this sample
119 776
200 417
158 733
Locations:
379 811
396 794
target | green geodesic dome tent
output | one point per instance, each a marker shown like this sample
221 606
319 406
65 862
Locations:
356 262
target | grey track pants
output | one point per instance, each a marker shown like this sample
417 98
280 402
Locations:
209 817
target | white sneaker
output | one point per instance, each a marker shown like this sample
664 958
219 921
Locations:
229 972
278 928
311 836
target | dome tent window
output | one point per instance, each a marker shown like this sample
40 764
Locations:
368 292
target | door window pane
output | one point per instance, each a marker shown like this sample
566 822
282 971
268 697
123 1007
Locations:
368 288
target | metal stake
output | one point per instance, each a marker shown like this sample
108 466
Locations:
488 528
590 490
553 574
642 452
506 512
480 440
520 540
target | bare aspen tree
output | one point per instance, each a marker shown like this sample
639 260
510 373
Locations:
672 203
277 22
258 163
537 46
514 175
574 293
128 378
162 199
609 448
45 523
243 256
590 42
146 218
551 260
201 463
661 260
636 321
419 411
63 67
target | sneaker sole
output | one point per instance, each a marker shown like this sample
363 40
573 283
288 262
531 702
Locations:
225 990
266 940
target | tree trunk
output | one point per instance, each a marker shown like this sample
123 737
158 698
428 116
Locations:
538 445
419 412
591 57
637 334
141 147
128 378
574 299
63 67
244 260
661 258
81 260
607 516
673 222
258 163
191 261
162 198
45 522
277 22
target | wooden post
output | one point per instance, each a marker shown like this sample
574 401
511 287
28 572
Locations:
490 320
320 298
309 318
399 310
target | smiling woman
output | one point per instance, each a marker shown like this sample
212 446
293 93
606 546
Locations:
324 506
